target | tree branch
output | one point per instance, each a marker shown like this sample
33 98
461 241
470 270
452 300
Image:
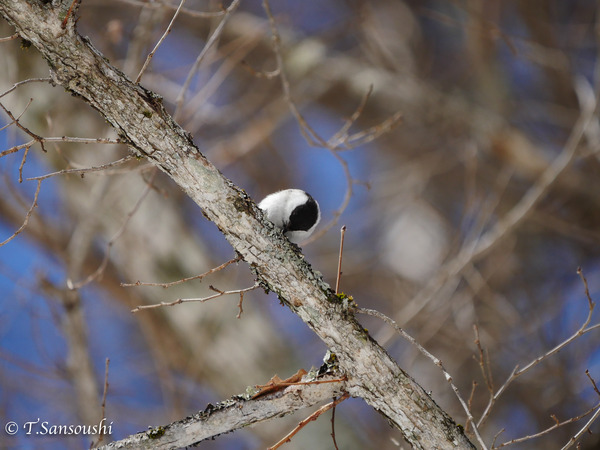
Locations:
232 414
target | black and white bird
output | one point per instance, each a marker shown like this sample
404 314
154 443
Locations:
294 211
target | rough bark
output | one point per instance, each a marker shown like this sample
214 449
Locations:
143 123
235 413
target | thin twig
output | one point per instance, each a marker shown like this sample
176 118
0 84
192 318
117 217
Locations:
75 140
370 134
184 280
202 299
10 38
339 271
587 372
333 427
188 12
85 169
16 148
306 383
309 419
516 372
241 310
341 136
435 360
556 425
101 434
160 41
496 436
343 141
63 25
475 249
470 404
483 362
340 140
80 140
211 40
100 270
38 138
27 216
585 428
587 290
27 147
23 163
268 75
30 80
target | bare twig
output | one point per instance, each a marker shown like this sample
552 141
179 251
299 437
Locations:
160 41
470 405
516 372
36 137
476 249
345 202
341 137
587 372
343 141
259 74
241 310
27 147
15 120
80 140
69 13
310 418
372 133
100 433
184 280
75 140
302 383
232 54
85 169
591 303
340 140
496 436
333 427
311 136
10 38
105 388
16 148
27 216
484 362
435 360
585 428
339 271
30 80
557 424
185 11
100 270
201 299
23 164
211 40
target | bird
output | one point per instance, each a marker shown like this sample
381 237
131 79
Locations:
295 211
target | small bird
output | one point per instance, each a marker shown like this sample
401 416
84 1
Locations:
294 211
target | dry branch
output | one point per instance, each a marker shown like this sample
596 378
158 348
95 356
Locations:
230 415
